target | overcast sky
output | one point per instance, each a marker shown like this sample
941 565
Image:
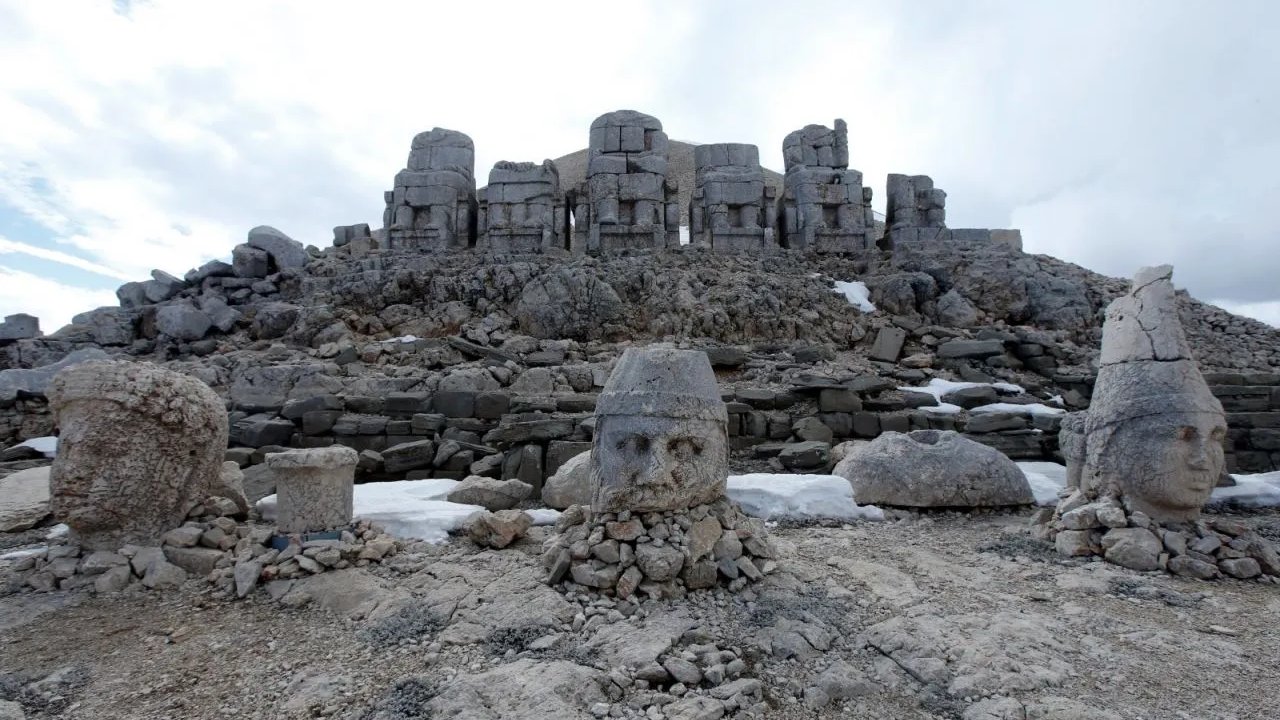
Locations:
155 134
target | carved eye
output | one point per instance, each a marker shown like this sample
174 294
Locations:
639 443
684 447
1187 433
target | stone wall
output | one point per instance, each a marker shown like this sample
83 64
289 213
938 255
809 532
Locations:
1252 404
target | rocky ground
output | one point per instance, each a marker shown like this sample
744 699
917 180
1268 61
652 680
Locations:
933 616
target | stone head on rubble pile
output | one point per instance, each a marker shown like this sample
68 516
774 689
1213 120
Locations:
1153 435
661 441
139 447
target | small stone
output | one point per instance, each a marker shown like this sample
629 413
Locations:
246 577
683 671
1242 568
113 580
1135 548
163 575
185 536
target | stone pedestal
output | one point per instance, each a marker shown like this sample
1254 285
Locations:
314 488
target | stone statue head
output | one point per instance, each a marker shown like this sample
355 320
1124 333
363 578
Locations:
1154 431
1161 455
138 447
661 440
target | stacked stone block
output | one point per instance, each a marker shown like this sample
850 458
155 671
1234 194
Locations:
523 210
433 205
916 217
626 202
732 209
825 208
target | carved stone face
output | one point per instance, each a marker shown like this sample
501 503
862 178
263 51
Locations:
1165 465
658 463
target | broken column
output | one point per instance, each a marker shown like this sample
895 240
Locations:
732 209
433 205
314 488
139 446
522 210
19 327
825 208
1153 451
627 202
659 521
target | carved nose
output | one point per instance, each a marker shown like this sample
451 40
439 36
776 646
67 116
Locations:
1199 459
656 471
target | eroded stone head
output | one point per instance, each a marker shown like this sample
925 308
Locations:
139 446
661 440
1154 432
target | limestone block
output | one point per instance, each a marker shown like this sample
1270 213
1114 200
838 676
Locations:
24 499
314 488
139 446
19 327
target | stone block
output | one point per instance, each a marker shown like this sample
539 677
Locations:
838 400
404 404
492 405
455 403
866 425
970 348
314 488
888 344
560 451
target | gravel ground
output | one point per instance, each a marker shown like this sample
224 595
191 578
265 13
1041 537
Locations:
928 616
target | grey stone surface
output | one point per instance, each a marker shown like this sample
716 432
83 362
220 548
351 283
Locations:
933 468
314 488
888 344
1154 432
522 210
249 262
284 251
913 202
433 205
626 201
732 209
182 321
35 381
824 207
570 485
490 493
24 499
139 447
661 438
19 327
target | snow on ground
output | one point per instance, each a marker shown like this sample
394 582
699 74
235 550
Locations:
801 497
1046 479
402 339
857 293
938 387
544 516
1255 491
1014 408
48 446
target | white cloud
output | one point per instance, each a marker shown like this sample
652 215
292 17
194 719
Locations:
8 246
57 302
1113 134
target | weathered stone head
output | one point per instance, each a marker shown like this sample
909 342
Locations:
1154 432
1071 443
138 447
661 440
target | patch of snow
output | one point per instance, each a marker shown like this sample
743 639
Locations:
23 553
404 508
47 446
1045 479
544 516
942 409
937 387
57 531
1254 491
402 339
857 294
684 234
803 497
1032 409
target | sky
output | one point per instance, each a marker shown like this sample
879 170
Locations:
154 134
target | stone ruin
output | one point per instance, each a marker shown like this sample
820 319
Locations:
522 210
825 208
433 205
1145 457
659 521
626 202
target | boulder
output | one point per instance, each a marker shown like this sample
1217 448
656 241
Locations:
182 321
490 493
24 499
284 250
498 529
570 485
933 468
